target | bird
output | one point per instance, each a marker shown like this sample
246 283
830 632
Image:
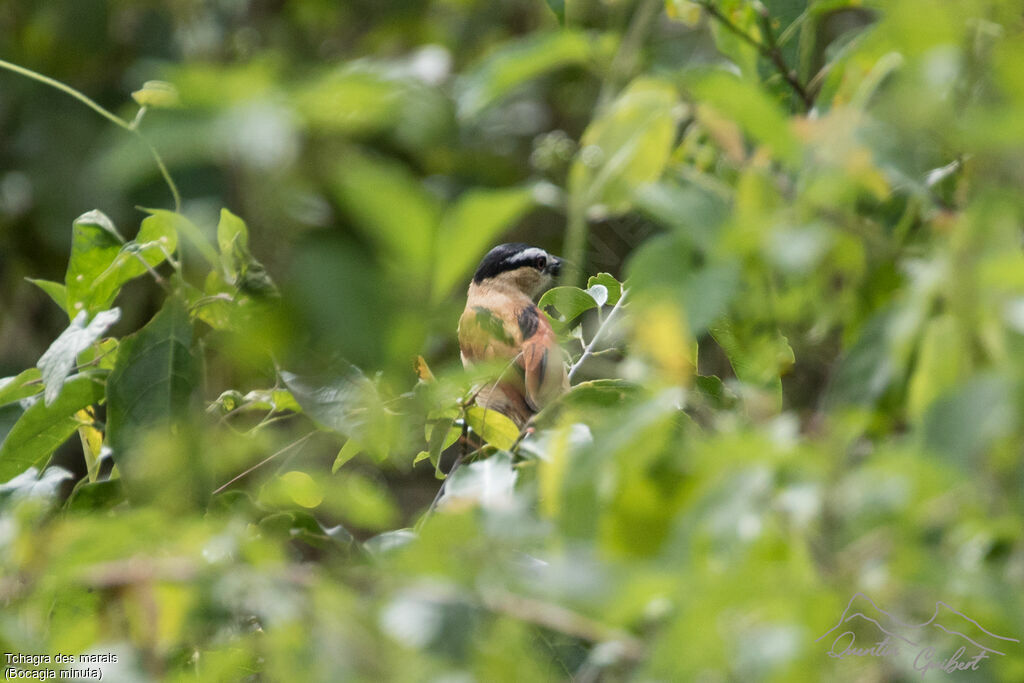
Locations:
501 322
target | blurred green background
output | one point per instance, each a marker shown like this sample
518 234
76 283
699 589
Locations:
814 388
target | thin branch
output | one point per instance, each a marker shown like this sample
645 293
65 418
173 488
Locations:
769 49
563 620
588 351
263 462
105 113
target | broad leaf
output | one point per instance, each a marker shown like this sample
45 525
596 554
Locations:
612 286
154 381
513 64
470 227
25 384
625 147
570 302
95 243
495 428
56 364
42 428
346 402
54 290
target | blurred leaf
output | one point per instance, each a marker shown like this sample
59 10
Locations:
95 496
470 227
157 95
941 362
865 370
59 360
495 428
348 451
490 483
964 424
746 104
626 146
32 485
758 357
55 290
343 400
243 270
683 11
302 489
154 382
511 65
570 302
441 438
558 7
391 208
169 224
423 370
42 428
355 100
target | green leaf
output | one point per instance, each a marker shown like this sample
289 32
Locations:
570 302
391 208
495 428
684 11
242 268
344 401
156 95
756 113
171 223
55 290
154 382
626 147
95 243
348 451
42 428
509 66
58 360
440 439
470 227
611 285
941 363
558 7
101 262
95 496
25 384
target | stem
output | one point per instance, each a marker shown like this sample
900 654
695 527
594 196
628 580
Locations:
105 113
589 350
769 49
263 462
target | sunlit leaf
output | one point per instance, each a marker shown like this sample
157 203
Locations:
570 302
42 428
513 64
470 227
59 360
54 290
626 146
156 94
495 428
26 383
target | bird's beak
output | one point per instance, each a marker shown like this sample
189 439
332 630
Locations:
554 268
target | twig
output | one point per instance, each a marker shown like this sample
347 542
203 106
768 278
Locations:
563 620
263 462
588 351
113 118
769 49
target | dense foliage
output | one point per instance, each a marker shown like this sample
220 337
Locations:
794 312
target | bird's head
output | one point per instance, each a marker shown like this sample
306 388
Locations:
519 266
